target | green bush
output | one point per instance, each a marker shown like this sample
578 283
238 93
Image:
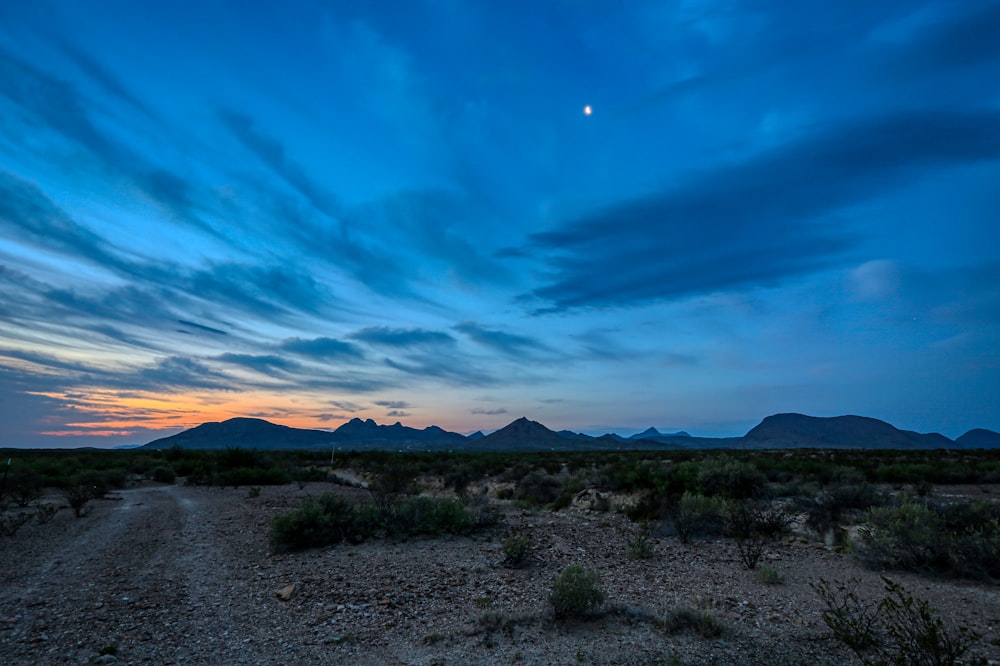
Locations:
576 593
641 547
702 621
331 519
164 474
724 476
517 550
696 515
831 506
325 521
957 539
539 487
897 630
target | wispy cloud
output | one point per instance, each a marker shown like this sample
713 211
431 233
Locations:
323 348
507 343
402 337
758 222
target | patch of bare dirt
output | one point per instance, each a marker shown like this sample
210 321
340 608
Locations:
182 575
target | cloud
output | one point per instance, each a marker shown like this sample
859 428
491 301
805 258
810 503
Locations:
322 348
507 343
397 412
755 223
450 370
966 38
261 289
35 218
346 406
201 327
59 108
488 412
393 404
264 363
272 153
182 373
402 337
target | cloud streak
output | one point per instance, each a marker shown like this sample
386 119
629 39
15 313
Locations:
759 222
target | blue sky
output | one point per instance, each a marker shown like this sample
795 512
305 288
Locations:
310 212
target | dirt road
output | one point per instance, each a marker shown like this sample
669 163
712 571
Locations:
145 577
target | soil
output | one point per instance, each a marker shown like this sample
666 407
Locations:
184 575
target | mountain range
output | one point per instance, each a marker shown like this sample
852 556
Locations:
780 431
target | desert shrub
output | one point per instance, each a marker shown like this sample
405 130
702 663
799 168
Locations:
724 476
569 487
695 515
517 550
252 476
576 593
12 521
897 630
429 516
45 512
325 521
331 519
701 620
164 474
641 546
78 496
539 487
754 524
958 539
234 457
770 576
25 486
831 506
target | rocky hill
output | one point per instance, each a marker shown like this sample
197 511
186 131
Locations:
783 431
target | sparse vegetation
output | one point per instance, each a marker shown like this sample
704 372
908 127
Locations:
754 524
331 519
701 619
517 550
641 546
770 576
576 593
896 630
961 539
696 515
78 496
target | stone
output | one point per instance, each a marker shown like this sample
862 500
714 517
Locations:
286 593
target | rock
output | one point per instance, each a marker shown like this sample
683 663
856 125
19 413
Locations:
286 593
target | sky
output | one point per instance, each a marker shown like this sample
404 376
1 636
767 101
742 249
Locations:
315 211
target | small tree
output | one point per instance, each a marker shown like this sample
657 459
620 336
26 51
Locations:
79 495
754 524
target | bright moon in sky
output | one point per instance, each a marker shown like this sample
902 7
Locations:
587 110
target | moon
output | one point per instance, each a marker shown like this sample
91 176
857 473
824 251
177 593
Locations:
587 110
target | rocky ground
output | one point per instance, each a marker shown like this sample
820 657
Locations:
184 575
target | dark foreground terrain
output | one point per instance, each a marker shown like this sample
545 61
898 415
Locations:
171 574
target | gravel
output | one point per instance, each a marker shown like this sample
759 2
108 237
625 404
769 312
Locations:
184 575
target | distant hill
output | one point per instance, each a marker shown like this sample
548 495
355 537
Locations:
368 434
654 435
244 433
783 431
979 438
523 435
